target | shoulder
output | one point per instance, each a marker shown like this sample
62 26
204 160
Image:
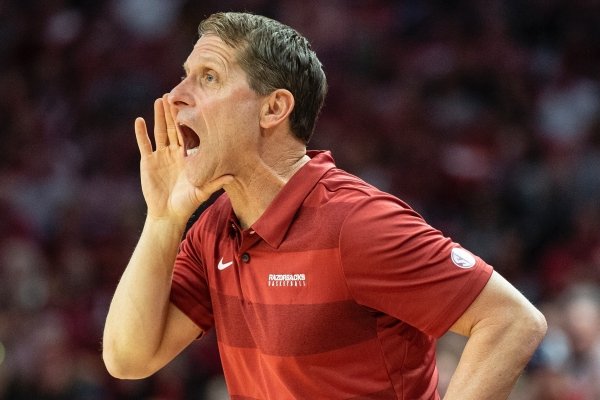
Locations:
338 180
358 204
342 186
322 212
364 197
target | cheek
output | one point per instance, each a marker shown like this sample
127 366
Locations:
231 117
246 105
221 116
242 124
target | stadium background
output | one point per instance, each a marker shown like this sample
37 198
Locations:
483 115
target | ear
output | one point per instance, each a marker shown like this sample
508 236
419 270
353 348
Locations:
277 108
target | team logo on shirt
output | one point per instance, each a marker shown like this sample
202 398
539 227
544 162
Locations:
462 258
286 280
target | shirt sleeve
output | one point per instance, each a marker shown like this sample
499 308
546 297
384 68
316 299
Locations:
394 262
189 288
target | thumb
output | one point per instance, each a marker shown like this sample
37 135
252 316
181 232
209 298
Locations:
214 185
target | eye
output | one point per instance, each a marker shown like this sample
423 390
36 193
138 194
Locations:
209 78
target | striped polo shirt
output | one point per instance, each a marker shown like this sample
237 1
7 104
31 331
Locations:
338 291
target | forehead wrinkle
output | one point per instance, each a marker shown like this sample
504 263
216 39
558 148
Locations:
212 48
205 61
202 61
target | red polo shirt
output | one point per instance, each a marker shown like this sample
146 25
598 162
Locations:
338 291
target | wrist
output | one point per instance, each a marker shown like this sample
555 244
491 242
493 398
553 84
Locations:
165 225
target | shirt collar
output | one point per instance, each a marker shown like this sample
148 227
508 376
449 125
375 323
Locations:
277 218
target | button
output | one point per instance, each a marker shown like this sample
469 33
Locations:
246 257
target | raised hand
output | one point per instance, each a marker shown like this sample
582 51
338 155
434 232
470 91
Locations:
167 191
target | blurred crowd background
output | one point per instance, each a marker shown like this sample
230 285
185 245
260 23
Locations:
483 115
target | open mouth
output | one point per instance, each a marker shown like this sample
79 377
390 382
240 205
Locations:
191 140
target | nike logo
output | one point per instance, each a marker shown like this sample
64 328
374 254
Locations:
223 265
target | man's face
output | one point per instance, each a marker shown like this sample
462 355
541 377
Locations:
216 111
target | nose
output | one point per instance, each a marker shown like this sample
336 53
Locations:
179 95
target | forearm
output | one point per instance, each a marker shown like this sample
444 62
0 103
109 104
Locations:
494 357
138 311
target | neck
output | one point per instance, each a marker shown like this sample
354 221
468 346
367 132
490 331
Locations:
252 192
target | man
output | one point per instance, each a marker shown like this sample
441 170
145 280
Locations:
318 284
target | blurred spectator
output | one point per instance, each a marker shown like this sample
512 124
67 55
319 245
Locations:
569 358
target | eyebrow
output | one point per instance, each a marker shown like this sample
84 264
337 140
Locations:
205 61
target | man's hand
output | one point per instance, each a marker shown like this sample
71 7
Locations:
143 330
167 191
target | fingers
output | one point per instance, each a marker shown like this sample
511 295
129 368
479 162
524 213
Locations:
160 125
141 136
165 130
173 114
172 131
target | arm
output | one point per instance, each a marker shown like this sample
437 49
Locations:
143 330
504 330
